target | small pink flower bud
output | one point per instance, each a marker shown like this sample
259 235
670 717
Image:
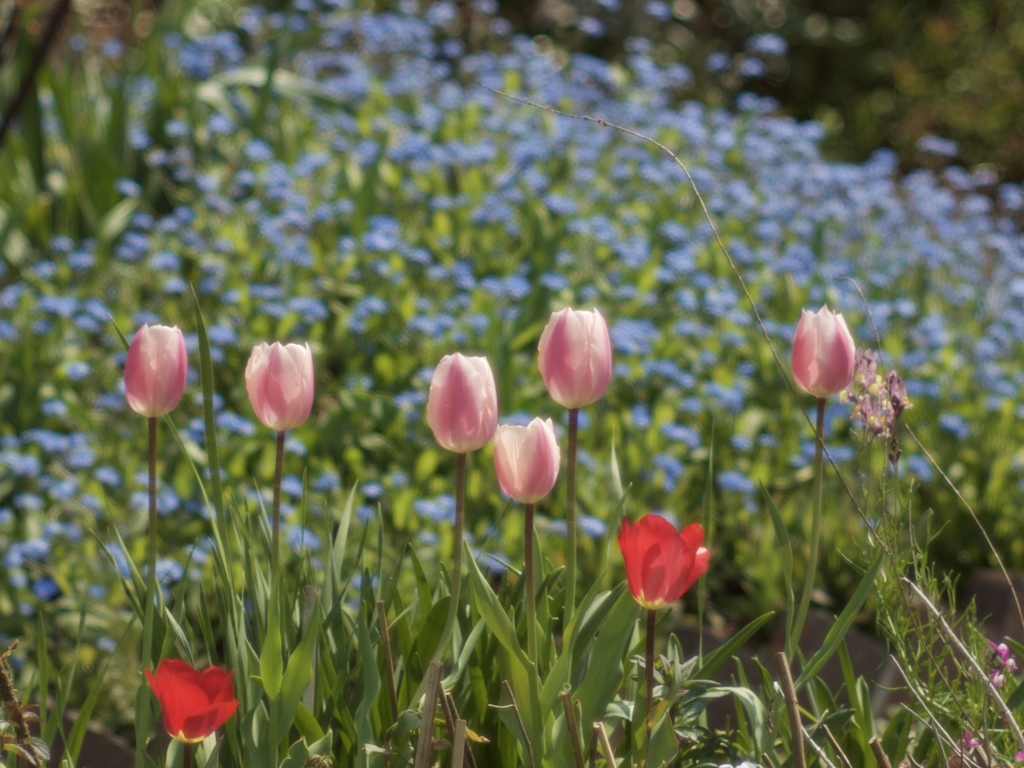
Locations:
527 460
823 353
156 369
279 380
575 357
462 406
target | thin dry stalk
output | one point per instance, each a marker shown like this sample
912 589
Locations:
606 745
876 747
934 725
818 750
573 728
459 744
451 717
836 748
424 745
522 728
970 510
789 694
389 661
1008 718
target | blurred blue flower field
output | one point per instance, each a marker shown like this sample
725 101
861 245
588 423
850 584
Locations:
357 179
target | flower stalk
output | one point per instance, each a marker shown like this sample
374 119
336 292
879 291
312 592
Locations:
154 539
812 555
570 520
530 590
275 541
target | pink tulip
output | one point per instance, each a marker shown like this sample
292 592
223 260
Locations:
279 379
155 372
823 353
462 407
527 460
575 357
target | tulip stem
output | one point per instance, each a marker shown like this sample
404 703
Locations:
570 522
529 591
649 672
154 539
275 543
812 556
187 761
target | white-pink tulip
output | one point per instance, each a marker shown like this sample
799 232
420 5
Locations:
462 406
823 353
279 380
156 369
527 460
575 357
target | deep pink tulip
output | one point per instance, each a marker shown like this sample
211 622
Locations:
661 562
575 357
279 379
156 369
527 459
823 353
462 407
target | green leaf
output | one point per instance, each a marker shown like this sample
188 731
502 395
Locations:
271 663
757 718
721 655
369 688
838 631
785 554
334 579
298 674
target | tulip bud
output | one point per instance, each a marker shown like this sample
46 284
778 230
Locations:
823 353
661 563
462 406
527 460
194 703
279 379
575 357
156 369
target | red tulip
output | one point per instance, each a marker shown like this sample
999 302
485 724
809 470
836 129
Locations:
194 703
661 563
279 380
527 459
462 405
575 357
823 353
155 372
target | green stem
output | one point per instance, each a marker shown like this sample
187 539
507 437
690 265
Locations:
187 761
529 592
570 522
453 606
456 573
812 557
154 539
275 545
649 671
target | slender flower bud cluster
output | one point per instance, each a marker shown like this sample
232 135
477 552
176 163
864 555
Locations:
1001 663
